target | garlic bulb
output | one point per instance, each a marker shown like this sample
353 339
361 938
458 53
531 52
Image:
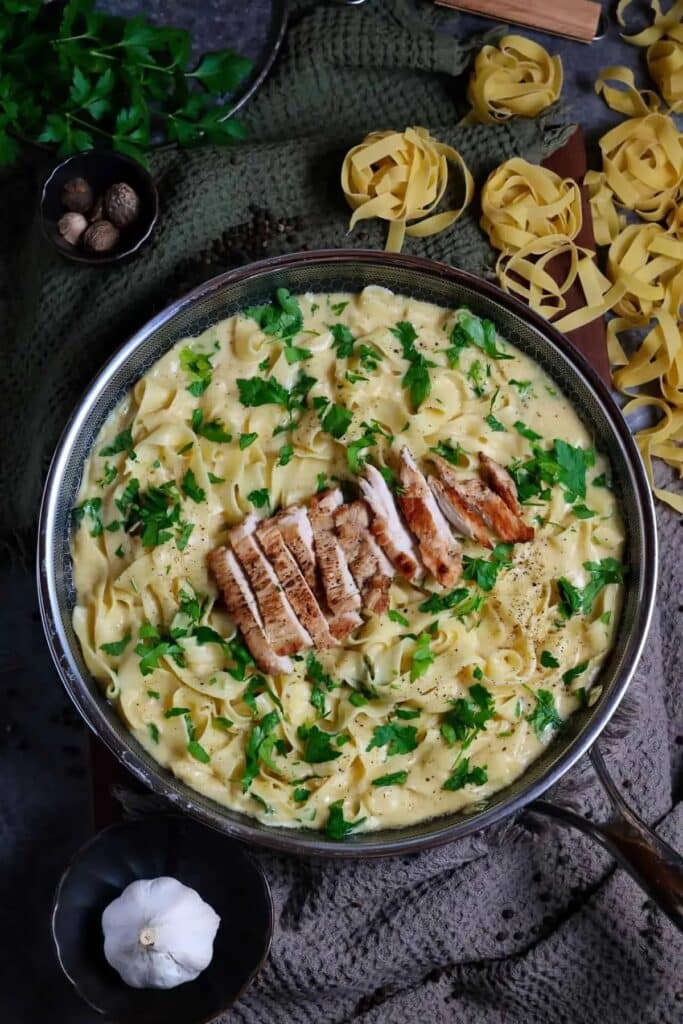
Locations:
159 933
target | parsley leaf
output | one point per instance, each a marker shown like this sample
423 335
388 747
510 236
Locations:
337 307
92 508
150 654
422 657
494 424
116 647
156 510
317 744
545 715
476 376
468 716
458 341
370 357
602 481
342 340
571 674
213 430
463 775
525 431
246 440
191 488
337 827
482 333
393 779
259 746
448 452
582 512
398 739
261 391
548 660
524 387
153 731
395 616
570 597
606 571
336 420
355 459
198 367
259 498
123 442
416 378
485 571
283 317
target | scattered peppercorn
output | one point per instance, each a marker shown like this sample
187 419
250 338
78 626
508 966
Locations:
101 236
71 226
77 195
122 204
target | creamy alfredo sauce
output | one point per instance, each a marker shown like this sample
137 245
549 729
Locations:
423 711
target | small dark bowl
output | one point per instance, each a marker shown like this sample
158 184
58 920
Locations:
101 168
223 875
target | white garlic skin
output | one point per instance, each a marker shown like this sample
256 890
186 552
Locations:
159 933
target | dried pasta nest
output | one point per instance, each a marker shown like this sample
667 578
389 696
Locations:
516 78
643 164
665 64
646 262
521 202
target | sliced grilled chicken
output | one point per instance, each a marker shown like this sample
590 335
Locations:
370 568
456 510
439 549
242 606
500 481
485 504
283 629
296 589
341 592
387 528
343 625
295 527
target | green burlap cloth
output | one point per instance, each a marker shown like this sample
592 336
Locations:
510 928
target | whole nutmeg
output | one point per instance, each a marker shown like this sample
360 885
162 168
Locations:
97 212
122 204
77 195
71 226
101 236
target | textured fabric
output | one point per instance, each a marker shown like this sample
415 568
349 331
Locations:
529 924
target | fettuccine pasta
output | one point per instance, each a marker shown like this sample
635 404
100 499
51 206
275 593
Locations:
522 202
401 177
515 78
423 710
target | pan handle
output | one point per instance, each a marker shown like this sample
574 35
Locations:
656 866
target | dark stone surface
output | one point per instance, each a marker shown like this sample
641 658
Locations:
45 805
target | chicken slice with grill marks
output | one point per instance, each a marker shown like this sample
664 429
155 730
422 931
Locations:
500 481
297 533
341 592
439 549
296 589
370 568
343 624
242 606
458 513
387 527
485 503
284 631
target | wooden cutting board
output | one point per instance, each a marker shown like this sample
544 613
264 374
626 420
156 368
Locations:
569 162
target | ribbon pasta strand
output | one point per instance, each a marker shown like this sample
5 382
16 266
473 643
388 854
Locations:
401 177
521 202
518 77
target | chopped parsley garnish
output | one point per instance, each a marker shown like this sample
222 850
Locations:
213 479
548 660
337 307
259 498
176 712
320 482
525 431
116 647
191 488
390 478
451 453
458 601
317 744
264 364
92 508
393 779
477 672
573 599
259 747
582 512
156 510
422 657
463 775
221 722
353 378
355 459
256 686
602 481
282 317
481 333
317 673
285 455
458 340
336 420
108 475
416 378
154 694
562 464
571 674
407 713
342 340
255 391
395 616
198 367
485 571
197 751
185 448
337 827
153 731
476 375
357 699
494 424
184 533
213 430
398 739
153 647
113 526
120 553
317 700
246 440
301 795
123 442
524 387
606 618
235 649
468 716
545 715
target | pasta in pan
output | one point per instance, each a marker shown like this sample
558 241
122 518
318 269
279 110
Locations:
422 710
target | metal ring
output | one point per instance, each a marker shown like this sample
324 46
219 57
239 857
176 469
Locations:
603 25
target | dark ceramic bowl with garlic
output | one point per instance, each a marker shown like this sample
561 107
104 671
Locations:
98 207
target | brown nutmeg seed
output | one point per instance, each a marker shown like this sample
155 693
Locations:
71 226
77 195
101 236
122 204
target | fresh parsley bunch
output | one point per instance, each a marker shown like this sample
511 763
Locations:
95 78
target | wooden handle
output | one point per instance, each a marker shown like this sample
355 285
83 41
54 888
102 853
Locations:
577 19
